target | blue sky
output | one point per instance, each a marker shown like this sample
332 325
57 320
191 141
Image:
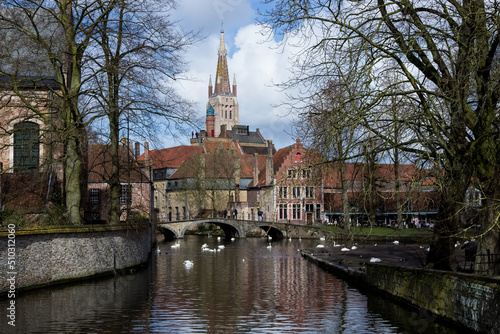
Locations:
254 59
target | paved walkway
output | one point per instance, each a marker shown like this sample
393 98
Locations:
411 255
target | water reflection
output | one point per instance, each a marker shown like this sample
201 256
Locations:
243 288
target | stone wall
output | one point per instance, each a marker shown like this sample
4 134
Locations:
52 256
465 299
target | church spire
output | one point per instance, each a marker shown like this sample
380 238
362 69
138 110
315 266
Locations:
222 76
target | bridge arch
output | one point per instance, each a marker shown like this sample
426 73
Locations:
230 230
167 232
272 231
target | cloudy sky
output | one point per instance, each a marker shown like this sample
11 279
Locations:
255 60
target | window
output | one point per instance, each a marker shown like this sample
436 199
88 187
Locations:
306 173
309 192
296 211
177 213
26 147
318 211
407 206
309 207
283 212
184 213
292 173
94 196
296 192
283 192
230 114
298 157
126 195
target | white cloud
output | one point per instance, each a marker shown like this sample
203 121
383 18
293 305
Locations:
254 59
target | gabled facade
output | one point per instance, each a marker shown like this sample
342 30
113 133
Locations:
298 187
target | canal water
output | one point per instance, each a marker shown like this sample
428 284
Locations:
244 287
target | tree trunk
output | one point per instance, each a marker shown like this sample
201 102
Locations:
72 173
442 249
487 260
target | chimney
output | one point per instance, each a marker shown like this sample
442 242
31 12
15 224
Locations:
255 169
137 150
269 163
146 154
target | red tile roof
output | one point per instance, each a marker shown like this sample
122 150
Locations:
171 157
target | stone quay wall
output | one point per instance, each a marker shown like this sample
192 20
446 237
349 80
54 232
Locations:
36 258
467 300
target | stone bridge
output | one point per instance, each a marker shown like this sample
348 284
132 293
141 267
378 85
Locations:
234 228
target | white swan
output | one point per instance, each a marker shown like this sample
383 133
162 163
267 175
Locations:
177 245
221 246
322 239
320 246
188 263
269 247
395 242
345 249
354 247
375 259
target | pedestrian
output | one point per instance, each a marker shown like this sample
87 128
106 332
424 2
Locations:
225 213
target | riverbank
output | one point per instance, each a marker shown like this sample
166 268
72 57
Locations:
464 299
33 258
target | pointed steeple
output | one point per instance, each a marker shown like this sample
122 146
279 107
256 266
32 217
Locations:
234 85
210 87
222 107
222 76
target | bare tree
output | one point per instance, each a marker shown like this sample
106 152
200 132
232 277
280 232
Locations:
138 51
446 54
75 24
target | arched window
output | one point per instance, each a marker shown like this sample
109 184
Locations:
26 147
297 159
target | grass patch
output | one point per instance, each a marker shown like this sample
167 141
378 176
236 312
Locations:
406 232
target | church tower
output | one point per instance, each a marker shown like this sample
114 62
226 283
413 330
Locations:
222 106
